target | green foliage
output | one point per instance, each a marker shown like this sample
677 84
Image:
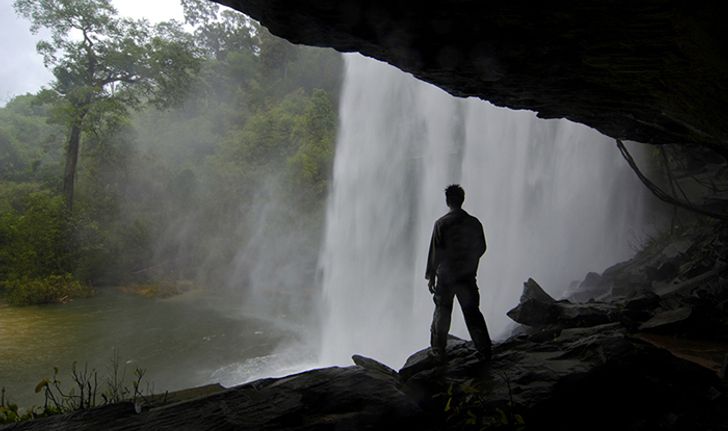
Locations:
310 165
104 65
220 31
33 234
162 195
30 147
38 246
47 290
467 407
11 413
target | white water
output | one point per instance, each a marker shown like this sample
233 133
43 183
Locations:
555 198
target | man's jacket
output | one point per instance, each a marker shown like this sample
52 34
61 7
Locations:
455 248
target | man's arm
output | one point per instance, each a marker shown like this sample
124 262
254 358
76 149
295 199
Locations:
433 259
481 239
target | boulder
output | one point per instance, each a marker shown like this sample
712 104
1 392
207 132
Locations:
668 318
537 309
375 366
591 287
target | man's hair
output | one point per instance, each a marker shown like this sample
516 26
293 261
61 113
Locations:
454 196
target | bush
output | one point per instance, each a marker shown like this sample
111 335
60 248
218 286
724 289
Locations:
34 235
48 290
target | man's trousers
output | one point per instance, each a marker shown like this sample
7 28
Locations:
469 299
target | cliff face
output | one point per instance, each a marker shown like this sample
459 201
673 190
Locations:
649 71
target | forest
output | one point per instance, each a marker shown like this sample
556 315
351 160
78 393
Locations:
159 152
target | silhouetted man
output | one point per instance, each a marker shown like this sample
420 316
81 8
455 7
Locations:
455 249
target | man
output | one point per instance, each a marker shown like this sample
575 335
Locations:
455 249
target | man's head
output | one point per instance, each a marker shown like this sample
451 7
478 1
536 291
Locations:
454 196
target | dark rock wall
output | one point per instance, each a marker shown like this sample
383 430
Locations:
650 71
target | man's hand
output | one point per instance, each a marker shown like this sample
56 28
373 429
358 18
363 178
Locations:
431 285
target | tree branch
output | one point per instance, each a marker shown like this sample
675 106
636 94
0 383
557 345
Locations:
657 191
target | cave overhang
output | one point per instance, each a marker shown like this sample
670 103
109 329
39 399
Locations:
646 71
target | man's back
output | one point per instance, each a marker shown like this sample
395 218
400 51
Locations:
457 244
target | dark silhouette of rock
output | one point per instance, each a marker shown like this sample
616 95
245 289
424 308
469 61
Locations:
591 287
375 366
616 381
665 318
537 308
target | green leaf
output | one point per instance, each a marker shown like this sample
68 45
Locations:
503 418
472 419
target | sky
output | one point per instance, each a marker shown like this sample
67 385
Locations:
23 71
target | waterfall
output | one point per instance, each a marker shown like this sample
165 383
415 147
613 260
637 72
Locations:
555 199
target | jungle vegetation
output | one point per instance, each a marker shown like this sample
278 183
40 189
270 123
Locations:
146 158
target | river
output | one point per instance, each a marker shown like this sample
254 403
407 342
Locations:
189 340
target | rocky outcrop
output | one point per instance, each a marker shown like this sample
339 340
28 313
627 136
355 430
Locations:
537 308
350 398
594 378
651 72
678 283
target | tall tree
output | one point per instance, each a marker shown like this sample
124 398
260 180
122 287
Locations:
104 65
219 30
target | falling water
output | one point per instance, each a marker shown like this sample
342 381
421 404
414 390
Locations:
555 199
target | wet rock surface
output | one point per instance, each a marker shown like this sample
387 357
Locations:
349 398
537 309
584 378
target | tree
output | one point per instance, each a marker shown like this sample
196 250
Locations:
219 31
105 65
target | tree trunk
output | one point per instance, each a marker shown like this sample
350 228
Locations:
69 174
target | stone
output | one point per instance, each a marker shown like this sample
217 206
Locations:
537 308
593 286
642 300
667 318
582 315
591 281
375 366
422 360
532 290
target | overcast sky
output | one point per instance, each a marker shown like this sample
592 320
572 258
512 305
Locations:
22 70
